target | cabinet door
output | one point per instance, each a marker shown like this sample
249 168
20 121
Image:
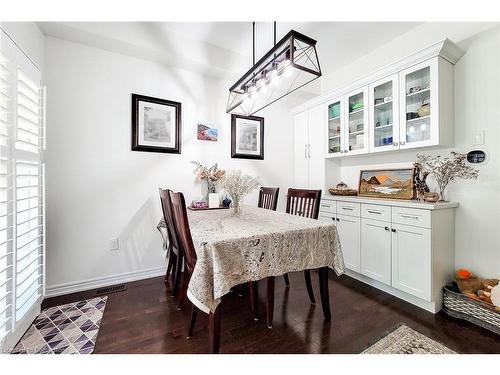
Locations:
419 105
301 140
356 123
315 149
411 260
335 128
376 250
384 114
349 229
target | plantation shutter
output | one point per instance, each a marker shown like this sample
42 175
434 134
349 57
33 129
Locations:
6 237
21 192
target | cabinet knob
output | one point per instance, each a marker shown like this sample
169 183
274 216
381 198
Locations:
345 151
338 219
386 228
403 143
341 151
394 230
394 143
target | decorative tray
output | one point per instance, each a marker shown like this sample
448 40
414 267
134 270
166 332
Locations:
207 208
345 192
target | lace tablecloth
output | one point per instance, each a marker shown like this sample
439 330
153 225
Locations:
257 244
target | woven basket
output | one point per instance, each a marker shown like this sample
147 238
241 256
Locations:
462 307
344 192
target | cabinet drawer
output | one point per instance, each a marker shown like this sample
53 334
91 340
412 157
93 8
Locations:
348 208
376 212
411 216
327 217
328 206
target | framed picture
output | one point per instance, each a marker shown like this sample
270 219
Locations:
156 124
247 137
207 132
387 183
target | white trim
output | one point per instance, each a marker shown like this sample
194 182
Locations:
98 282
444 48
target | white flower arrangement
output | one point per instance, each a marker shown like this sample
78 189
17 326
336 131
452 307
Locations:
237 185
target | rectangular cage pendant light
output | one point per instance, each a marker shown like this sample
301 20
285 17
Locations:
292 63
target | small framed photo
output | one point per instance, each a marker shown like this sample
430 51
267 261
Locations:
156 125
247 137
207 132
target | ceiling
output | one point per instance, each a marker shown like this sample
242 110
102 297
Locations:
224 49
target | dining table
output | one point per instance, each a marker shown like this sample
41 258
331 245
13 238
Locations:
257 244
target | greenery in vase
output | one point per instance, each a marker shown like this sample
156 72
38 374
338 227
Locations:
447 169
211 175
237 185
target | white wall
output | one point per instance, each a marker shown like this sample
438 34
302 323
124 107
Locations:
98 189
477 107
29 38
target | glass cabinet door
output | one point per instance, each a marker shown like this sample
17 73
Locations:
416 117
335 124
356 124
384 120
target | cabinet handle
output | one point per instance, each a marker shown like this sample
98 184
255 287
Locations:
348 208
410 217
394 230
375 212
305 151
309 151
394 143
386 228
325 205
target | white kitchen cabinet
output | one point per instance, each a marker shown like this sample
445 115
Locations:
335 129
348 228
426 111
411 260
376 250
384 114
309 157
356 122
405 248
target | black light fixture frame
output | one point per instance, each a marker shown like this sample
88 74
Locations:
284 47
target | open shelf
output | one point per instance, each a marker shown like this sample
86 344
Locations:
383 126
359 110
334 118
382 104
357 132
334 136
418 92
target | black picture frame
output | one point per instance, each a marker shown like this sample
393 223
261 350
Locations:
234 149
136 145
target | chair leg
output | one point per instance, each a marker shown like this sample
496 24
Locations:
287 281
270 302
307 276
177 274
173 271
214 331
184 288
192 322
325 297
169 264
253 289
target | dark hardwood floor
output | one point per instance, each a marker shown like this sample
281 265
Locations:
144 319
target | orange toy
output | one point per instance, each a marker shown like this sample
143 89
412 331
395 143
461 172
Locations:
463 274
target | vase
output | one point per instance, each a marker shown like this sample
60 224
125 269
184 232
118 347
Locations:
236 206
208 187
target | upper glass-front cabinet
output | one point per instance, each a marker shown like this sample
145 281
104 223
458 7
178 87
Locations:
356 128
419 109
384 114
335 139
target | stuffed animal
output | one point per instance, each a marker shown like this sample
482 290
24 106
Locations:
477 288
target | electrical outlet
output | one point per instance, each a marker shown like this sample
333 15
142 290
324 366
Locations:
114 244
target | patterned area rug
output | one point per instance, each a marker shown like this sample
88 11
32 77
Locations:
405 340
65 329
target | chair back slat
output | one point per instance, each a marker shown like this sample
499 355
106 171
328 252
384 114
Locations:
268 198
182 229
303 202
166 206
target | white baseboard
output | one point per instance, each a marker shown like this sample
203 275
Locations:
98 282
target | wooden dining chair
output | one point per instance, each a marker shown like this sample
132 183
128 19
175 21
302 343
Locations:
268 198
304 203
186 242
174 251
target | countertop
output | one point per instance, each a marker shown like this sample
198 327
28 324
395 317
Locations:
392 202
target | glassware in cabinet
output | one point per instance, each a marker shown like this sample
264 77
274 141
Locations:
335 123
